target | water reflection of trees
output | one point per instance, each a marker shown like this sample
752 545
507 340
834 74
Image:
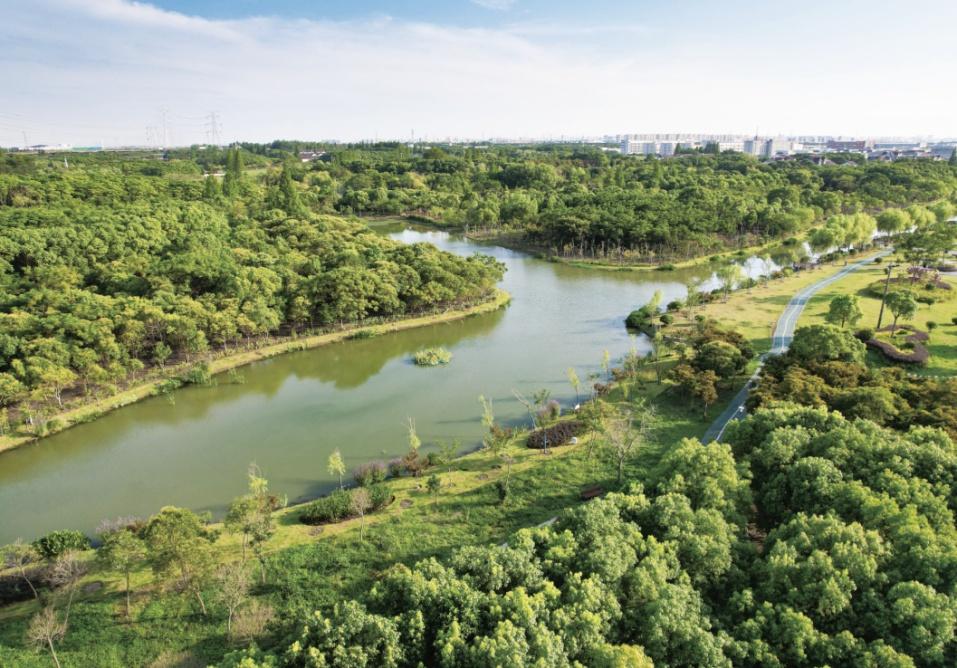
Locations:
351 364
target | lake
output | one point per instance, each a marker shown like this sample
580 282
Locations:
292 411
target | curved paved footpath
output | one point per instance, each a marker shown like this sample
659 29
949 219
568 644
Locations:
783 333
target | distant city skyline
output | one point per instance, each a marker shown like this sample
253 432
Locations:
725 141
115 72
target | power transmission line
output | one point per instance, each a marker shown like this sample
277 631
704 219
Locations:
212 128
163 116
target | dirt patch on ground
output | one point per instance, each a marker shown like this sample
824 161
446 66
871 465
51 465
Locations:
93 587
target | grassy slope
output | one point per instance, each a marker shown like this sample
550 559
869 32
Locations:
943 340
94 409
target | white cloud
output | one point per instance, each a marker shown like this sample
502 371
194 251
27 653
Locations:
139 14
100 70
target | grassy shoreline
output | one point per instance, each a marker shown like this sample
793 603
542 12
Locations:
94 409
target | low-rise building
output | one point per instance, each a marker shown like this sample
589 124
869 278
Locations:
848 145
310 156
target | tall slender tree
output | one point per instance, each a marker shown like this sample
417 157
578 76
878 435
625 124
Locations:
124 552
336 465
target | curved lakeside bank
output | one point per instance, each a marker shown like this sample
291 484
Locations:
234 360
514 240
357 394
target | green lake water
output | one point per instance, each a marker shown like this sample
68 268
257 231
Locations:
293 410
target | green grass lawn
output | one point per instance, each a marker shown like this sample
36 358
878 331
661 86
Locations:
755 311
943 340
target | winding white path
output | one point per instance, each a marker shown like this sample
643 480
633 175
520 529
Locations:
783 333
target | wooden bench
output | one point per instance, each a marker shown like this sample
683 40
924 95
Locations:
593 492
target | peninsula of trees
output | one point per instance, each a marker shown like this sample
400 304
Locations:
584 202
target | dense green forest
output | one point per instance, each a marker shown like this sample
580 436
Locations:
584 201
112 264
807 540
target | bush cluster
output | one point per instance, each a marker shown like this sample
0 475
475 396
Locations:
370 473
432 357
337 506
558 434
56 543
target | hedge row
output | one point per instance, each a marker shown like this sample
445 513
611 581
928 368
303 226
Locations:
338 506
918 355
558 434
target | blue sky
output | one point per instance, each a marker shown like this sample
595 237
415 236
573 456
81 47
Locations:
486 13
103 71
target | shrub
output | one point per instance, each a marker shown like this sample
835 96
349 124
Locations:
433 459
954 320
197 375
550 411
380 496
168 385
502 488
362 334
878 260
56 543
666 319
931 325
338 505
129 523
370 473
413 462
395 467
558 434
333 508
675 305
667 266
14 589
432 357
641 319
252 621
864 334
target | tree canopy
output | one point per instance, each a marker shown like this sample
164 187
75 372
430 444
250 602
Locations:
113 265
